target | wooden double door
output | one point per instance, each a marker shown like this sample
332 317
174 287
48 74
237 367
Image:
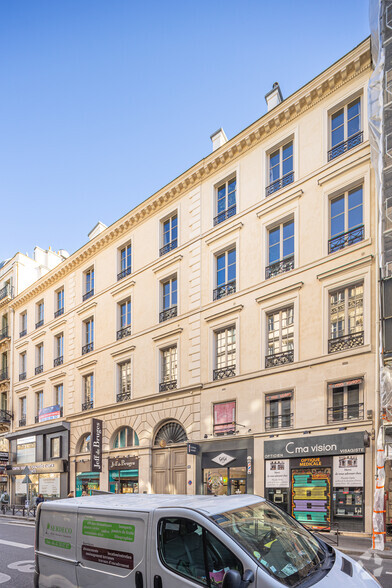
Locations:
169 470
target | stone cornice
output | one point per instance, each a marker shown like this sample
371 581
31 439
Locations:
347 68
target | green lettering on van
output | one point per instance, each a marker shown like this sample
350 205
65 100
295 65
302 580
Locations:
60 544
116 531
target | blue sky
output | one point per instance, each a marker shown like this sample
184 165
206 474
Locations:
103 102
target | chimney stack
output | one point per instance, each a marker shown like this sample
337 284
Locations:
273 97
218 139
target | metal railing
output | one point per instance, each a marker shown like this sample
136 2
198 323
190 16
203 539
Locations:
4 375
88 405
225 214
279 358
124 273
124 332
23 333
122 396
346 412
346 342
345 146
279 267
280 183
58 360
87 348
7 509
168 247
5 416
59 312
170 385
224 290
224 428
345 239
223 372
39 369
167 314
4 333
88 294
7 290
22 422
281 421
22 376
39 324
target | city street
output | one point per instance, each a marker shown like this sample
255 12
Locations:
17 556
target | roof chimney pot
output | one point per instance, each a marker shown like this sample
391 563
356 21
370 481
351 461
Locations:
273 97
218 139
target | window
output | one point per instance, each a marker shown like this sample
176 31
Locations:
225 274
346 220
88 284
280 337
4 366
59 303
125 262
345 401
22 411
225 360
3 406
169 299
4 327
39 404
224 418
59 350
189 550
169 369
280 168
169 235
59 396
124 374
280 249
346 318
85 444
225 200
125 319
39 359
88 335
345 129
40 315
23 324
55 447
126 437
25 449
278 411
22 366
88 392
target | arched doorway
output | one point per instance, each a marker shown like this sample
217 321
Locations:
169 459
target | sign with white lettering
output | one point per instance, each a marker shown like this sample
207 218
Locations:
277 473
345 444
96 445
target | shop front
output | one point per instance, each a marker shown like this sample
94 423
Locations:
86 480
319 480
123 475
45 478
4 456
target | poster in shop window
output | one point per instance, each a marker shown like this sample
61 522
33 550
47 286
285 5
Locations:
348 471
277 473
49 486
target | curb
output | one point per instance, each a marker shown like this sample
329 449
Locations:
357 552
16 518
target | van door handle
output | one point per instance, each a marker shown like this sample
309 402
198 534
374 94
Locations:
139 580
157 581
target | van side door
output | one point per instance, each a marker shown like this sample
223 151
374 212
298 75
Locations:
111 548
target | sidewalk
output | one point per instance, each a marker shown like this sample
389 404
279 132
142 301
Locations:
354 545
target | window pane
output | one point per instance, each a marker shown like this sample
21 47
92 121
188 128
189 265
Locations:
231 268
337 119
288 239
287 159
355 309
274 166
353 118
337 312
337 216
355 213
222 198
219 560
174 292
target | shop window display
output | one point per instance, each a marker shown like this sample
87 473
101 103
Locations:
225 481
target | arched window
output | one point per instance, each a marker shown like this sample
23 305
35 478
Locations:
125 437
84 445
170 433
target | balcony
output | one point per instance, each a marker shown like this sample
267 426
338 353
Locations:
58 361
23 333
167 314
59 312
39 369
224 290
281 421
126 272
22 422
22 376
88 294
279 267
224 428
168 247
6 292
4 333
39 324
346 342
345 239
5 416
223 372
87 348
279 358
280 183
166 386
124 332
346 412
4 375
345 146
88 405
225 214
123 396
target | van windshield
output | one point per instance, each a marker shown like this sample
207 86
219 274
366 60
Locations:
288 551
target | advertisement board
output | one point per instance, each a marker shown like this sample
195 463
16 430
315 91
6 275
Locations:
348 471
49 486
96 445
49 413
277 473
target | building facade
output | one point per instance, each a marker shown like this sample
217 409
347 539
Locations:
221 337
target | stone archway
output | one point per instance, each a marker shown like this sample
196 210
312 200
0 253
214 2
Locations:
169 459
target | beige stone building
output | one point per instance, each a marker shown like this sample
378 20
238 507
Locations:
232 311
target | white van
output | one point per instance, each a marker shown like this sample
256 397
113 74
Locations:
165 541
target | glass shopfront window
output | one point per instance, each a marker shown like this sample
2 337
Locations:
87 482
49 486
124 481
224 481
22 490
25 450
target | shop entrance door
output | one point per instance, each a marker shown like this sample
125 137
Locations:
237 485
169 471
311 497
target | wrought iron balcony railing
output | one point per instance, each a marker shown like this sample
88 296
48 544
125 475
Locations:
58 361
280 183
345 239
225 214
167 314
168 247
279 358
224 428
124 332
88 405
22 422
346 342
122 396
345 146
59 312
279 267
39 324
4 375
223 372
170 385
23 333
125 272
4 333
347 412
224 290
5 416
39 369
88 294
6 291
281 421
87 348
22 376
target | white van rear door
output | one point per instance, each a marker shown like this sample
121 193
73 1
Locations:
111 548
